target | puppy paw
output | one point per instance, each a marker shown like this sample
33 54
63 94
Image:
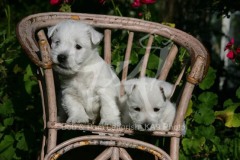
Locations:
78 119
111 122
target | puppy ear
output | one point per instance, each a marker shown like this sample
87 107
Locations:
95 36
166 88
129 85
51 30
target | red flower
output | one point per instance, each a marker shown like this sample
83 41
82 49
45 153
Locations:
238 50
55 2
148 1
229 45
136 3
231 55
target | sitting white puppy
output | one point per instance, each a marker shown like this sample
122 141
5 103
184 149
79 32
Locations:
146 105
89 87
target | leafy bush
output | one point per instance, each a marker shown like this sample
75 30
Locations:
207 137
20 105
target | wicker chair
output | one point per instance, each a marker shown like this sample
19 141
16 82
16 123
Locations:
30 33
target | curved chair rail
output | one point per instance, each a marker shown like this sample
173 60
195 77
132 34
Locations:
110 129
109 141
27 27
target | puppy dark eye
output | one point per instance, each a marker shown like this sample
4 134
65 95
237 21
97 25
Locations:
137 109
78 46
156 109
57 42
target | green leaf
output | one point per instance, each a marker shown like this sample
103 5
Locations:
17 69
153 62
169 24
21 141
6 142
209 99
205 131
119 67
183 54
133 58
8 121
6 107
215 140
209 80
193 145
238 93
150 73
2 128
236 148
28 79
189 109
141 50
204 116
216 143
230 118
65 8
8 153
228 102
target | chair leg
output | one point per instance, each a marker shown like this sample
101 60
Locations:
115 154
174 150
52 139
106 154
124 154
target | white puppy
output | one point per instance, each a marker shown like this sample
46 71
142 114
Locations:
89 87
146 105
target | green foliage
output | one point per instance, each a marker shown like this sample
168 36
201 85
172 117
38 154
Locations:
193 145
209 80
204 116
229 115
206 136
20 108
29 80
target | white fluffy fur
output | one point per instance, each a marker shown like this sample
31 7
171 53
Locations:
144 106
89 87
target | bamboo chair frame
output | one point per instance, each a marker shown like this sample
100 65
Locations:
38 51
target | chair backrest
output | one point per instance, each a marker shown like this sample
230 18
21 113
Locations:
146 34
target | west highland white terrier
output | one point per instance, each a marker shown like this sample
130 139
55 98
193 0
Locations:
146 105
89 87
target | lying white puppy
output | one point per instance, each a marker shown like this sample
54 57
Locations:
89 87
146 105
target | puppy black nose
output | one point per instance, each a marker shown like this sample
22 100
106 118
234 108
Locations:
146 126
62 58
